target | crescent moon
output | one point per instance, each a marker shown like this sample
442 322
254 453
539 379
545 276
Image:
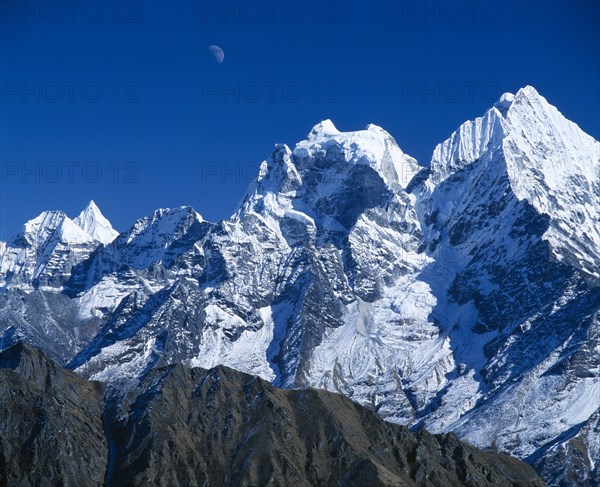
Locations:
217 52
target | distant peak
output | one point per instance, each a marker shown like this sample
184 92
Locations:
92 221
92 206
375 128
529 91
70 231
323 129
504 103
280 151
168 218
38 229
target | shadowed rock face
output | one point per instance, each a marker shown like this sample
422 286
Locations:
50 423
186 427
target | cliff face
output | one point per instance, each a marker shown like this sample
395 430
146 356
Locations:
186 427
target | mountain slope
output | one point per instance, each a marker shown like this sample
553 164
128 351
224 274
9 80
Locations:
522 307
51 429
186 427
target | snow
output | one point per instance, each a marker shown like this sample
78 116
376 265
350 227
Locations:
323 129
300 217
547 156
92 221
247 353
69 232
504 103
373 147
47 246
472 141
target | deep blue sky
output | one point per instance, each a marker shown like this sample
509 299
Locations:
172 127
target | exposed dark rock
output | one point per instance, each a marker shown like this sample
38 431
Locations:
51 430
187 427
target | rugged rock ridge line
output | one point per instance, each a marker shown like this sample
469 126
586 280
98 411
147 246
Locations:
186 427
46 249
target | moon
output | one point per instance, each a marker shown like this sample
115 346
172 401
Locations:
217 52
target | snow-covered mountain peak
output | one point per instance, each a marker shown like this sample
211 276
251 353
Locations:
38 229
321 187
326 148
92 221
89 227
71 233
277 170
49 224
548 161
555 166
323 129
535 125
323 171
92 206
43 253
163 226
531 94
504 103
271 193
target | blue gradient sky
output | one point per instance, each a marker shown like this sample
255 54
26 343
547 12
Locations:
125 105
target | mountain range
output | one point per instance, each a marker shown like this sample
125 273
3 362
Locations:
459 296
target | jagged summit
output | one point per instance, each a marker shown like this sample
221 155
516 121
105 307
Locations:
555 166
549 161
51 225
92 221
90 226
49 245
323 129
373 147
504 102
305 183
482 139
162 223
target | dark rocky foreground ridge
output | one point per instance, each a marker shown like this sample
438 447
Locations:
186 427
